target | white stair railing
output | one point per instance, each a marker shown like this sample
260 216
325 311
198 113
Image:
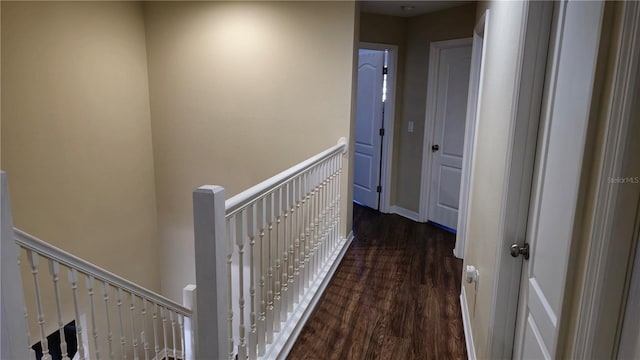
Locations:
114 317
264 256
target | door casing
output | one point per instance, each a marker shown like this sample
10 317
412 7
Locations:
389 121
435 50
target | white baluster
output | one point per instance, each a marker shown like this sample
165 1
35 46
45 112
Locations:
181 325
306 226
251 232
310 223
123 341
321 224
143 338
284 297
334 187
270 281
33 260
315 200
156 345
240 235
173 333
229 236
262 294
73 279
54 269
32 353
336 200
325 233
132 317
300 231
291 242
163 315
276 296
105 289
94 329
297 262
339 192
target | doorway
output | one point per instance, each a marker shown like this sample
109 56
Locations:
444 137
374 125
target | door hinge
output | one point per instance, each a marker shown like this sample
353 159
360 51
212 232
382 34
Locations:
379 188
385 70
382 132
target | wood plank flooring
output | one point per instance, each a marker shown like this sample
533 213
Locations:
394 296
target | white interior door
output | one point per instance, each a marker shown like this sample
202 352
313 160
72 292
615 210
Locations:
452 88
368 124
557 178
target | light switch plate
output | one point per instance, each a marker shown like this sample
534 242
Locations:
410 126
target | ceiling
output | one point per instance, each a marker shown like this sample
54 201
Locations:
408 8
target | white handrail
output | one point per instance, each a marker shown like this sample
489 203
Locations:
241 200
31 242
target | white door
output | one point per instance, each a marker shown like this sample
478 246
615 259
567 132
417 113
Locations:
368 124
452 85
557 178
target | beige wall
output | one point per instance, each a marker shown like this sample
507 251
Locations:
486 193
239 92
76 132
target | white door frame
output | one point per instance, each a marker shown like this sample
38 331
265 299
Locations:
388 119
435 49
473 109
602 290
526 110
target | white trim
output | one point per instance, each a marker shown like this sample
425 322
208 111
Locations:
388 119
429 122
470 133
519 167
13 326
594 334
292 328
466 322
411 215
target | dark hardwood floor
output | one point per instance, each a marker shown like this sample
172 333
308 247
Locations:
394 296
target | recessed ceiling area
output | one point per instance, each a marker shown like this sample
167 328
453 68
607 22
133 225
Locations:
407 8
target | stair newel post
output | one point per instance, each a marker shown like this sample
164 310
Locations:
13 329
190 324
213 337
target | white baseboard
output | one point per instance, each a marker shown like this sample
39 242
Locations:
466 321
411 215
298 319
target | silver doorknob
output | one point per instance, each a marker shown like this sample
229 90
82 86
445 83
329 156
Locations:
517 250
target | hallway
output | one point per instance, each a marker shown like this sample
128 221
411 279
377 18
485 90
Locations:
394 296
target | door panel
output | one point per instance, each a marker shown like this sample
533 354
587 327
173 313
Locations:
567 103
452 85
368 123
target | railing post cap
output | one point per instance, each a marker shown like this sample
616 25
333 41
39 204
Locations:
210 188
343 141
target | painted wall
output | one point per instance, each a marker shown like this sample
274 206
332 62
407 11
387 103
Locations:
76 137
486 193
76 131
240 92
